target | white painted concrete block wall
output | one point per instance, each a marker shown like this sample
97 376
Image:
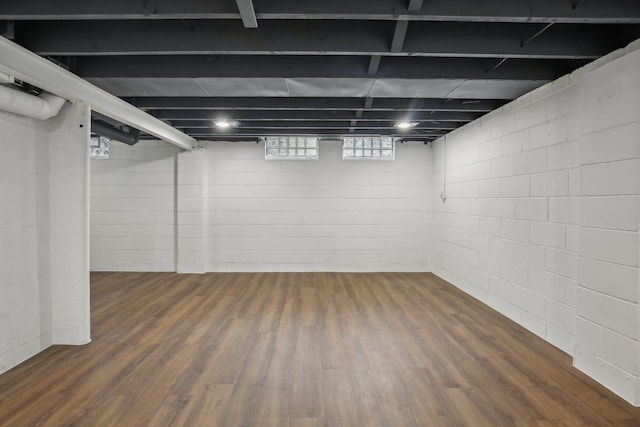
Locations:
323 215
68 216
541 219
608 313
25 309
191 212
44 270
133 208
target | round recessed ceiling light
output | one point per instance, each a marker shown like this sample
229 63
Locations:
405 125
223 124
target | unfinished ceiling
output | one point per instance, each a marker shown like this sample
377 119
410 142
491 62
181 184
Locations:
329 67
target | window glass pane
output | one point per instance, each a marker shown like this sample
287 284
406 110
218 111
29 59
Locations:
374 147
291 147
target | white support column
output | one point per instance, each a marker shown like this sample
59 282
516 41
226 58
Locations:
69 224
191 176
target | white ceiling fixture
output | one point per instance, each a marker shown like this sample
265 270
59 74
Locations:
226 124
405 125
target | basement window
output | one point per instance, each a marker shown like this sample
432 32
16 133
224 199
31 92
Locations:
368 148
291 148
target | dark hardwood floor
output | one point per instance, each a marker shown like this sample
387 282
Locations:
301 350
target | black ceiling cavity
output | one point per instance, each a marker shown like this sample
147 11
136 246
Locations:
328 68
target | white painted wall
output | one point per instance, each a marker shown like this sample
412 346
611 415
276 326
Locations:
608 310
25 311
68 217
330 214
44 283
191 215
133 208
541 219
236 211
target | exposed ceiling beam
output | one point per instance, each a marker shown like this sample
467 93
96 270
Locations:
7 29
415 5
199 132
610 11
368 102
309 124
321 66
437 39
440 116
297 103
398 36
29 67
247 13
374 63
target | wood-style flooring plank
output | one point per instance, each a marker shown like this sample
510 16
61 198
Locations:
301 350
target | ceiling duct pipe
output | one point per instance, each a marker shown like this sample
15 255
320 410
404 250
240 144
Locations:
104 129
41 107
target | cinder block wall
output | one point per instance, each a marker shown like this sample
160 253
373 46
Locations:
236 211
324 215
44 233
133 208
25 313
541 217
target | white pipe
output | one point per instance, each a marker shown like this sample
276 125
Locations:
41 107
31 68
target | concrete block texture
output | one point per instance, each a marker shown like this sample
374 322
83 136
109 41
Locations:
563 197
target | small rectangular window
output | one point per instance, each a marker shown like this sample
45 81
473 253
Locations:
368 147
291 148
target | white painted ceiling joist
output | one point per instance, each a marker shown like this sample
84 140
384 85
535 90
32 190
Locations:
25 65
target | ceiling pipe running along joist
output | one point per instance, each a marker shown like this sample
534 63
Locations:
105 129
41 107
31 68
